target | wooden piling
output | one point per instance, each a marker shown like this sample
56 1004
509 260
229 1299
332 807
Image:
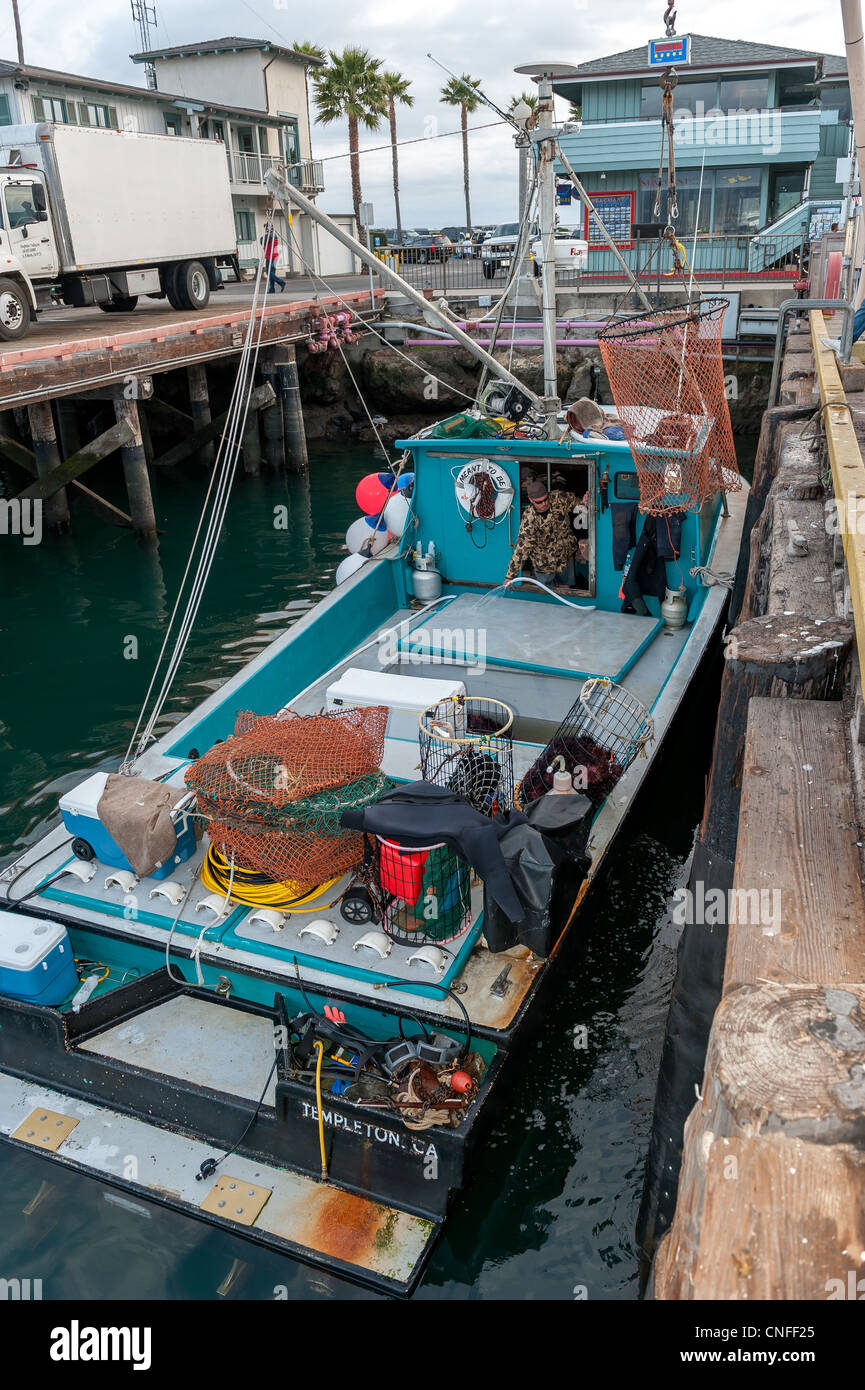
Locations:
251 443
292 411
47 457
135 471
199 407
67 426
272 428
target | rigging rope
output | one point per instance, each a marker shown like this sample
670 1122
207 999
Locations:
210 523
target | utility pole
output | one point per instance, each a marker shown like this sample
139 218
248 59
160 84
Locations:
18 38
547 208
851 13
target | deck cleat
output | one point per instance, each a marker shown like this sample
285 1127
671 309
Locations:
170 889
80 869
375 941
122 879
432 956
321 928
217 903
270 917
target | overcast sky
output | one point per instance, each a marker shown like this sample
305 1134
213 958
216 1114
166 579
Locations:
485 39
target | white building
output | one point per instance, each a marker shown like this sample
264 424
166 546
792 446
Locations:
247 93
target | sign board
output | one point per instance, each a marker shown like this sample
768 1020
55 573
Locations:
367 217
616 212
564 193
663 52
823 216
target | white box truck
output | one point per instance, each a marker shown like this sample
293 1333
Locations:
91 216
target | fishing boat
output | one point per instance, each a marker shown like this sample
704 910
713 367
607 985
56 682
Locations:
273 974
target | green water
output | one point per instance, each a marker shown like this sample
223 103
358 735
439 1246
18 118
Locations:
555 1197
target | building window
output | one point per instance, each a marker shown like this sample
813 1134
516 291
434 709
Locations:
691 198
173 123
744 93
5 114
839 99
796 89
737 200
52 109
244 224
94 113
212 130
245 139
786 191
695 97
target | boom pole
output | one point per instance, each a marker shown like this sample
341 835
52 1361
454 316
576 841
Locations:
287 193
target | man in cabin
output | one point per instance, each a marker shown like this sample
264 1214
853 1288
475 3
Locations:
547 539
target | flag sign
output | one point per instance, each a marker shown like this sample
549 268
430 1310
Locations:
665 51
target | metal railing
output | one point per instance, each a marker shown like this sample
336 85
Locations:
308 175
248 168
803 306
718 258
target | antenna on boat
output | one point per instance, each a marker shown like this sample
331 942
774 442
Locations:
544 134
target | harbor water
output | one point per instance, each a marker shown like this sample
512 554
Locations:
552 1206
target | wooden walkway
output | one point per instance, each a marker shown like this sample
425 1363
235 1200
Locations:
771 1195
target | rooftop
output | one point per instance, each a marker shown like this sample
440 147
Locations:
713 54
93 84
231 44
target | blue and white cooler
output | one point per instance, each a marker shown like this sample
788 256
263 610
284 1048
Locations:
36 963
79 809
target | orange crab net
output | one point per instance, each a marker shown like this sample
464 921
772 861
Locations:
272 794
666 376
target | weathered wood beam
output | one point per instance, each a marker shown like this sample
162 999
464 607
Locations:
261 396
114 438
22 456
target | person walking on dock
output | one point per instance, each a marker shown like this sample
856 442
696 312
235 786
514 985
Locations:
270 242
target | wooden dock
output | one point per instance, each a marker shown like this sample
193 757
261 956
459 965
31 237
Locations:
75 358
771 1191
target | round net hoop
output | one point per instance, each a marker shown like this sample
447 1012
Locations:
666 374
466 745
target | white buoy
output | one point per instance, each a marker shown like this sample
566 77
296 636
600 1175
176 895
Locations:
349 566
396 514
362 535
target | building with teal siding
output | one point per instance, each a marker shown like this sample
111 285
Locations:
763 138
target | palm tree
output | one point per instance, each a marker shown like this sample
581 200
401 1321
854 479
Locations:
462 92
396 89
350 87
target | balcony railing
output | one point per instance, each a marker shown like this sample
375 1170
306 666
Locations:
248 169
308 176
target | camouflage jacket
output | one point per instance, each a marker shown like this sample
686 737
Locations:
546 541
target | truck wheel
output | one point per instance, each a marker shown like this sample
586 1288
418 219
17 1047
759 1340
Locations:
121 304
14 310
193 285
169 281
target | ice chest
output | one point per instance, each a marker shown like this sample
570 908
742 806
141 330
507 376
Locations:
80 816
405 696
36 961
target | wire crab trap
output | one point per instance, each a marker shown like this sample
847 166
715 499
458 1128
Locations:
666 375
466 745
425 893
603 732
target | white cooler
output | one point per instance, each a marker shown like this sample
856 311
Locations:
405 696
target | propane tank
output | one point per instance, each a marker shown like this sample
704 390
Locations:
425 581
674 609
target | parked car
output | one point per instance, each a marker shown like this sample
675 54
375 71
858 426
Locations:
420 249
572 252
498 248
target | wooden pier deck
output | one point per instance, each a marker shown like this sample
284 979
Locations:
771 1192
76 350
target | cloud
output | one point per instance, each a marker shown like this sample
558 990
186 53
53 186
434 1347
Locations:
97 41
